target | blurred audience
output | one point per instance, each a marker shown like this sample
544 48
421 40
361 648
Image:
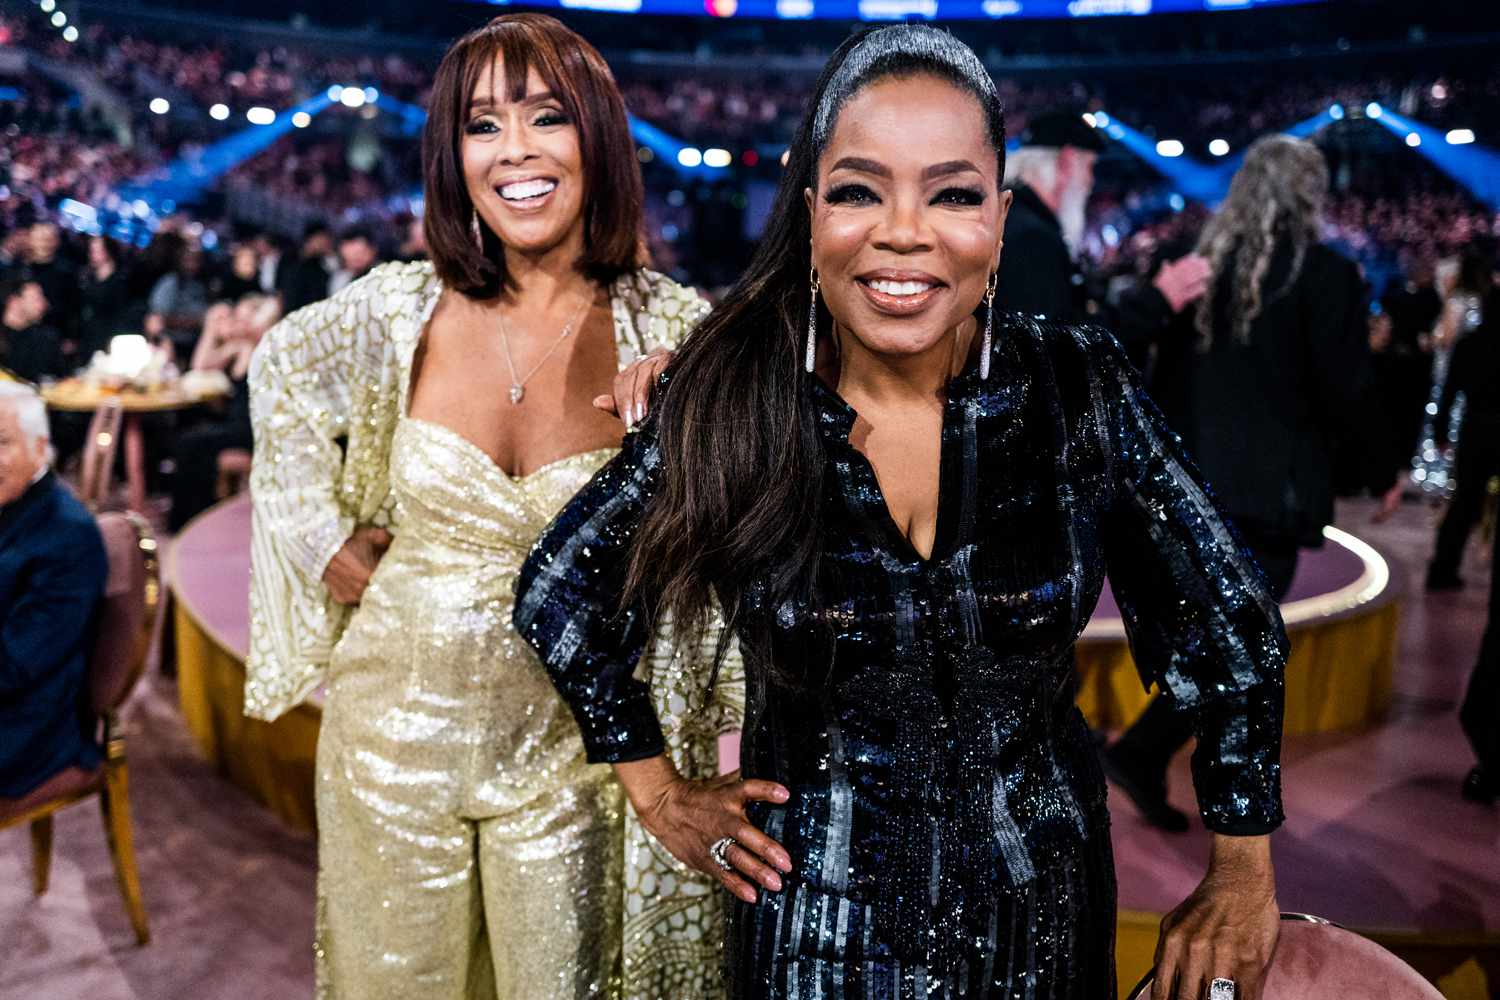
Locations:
29 348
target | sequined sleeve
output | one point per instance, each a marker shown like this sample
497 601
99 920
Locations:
1201 620
568 608
302 379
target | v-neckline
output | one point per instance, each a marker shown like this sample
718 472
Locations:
514 478
836 421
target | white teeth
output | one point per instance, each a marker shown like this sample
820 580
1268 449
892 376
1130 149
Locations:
527 189
900 287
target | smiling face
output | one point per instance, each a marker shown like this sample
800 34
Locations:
907 216
523 165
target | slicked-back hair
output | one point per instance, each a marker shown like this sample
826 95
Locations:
575 73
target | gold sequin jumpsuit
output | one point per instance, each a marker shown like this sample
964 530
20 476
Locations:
467 851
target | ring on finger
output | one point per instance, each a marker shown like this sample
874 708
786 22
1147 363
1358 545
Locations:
719 852
1222 989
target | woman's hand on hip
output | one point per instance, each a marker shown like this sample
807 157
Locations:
1226 929
690 817
348 572
631 396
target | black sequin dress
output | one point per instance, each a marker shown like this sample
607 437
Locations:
947 823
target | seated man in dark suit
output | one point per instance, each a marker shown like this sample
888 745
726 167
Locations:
28 347
52 574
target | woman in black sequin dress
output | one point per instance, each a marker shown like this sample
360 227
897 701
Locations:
907 536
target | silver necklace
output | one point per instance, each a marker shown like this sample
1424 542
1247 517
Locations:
518 385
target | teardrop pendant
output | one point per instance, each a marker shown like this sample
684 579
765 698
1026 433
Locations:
517 392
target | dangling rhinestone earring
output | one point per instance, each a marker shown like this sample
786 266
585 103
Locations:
475 231
812 321
989 327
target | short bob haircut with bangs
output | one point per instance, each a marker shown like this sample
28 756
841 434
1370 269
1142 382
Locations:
577 75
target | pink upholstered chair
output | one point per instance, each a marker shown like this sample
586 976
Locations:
126 617
1316 959
96 471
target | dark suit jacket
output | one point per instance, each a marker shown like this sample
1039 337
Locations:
1037 272
33 353
52 573
1474 370
1265 419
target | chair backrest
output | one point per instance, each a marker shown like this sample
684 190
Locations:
98 460
127 613
1316 959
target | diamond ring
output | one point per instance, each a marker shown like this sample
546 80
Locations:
719 851
1222 989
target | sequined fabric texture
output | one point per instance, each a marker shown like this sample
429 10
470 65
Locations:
467 849
947 824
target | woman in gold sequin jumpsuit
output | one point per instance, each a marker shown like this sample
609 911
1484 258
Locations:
467 849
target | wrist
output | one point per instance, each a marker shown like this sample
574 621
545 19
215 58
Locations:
648 783
1248 857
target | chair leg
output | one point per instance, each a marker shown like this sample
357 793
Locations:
41 853
114 800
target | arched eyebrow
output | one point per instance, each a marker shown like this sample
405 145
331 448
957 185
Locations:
489 103
862 165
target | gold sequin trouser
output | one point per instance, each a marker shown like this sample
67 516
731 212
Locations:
467 850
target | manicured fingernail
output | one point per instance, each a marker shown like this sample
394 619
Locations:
784 863
774 882
781 794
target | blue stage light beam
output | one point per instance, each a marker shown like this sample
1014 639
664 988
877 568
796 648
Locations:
185 178
1475 167
1191 178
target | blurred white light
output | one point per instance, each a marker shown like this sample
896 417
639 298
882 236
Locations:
1101 119
1374 110
301 119
717 158
1089 120
1176 201
70 34
160 106
335 92
48 6
260 116
352 97
219 112
1460 137
371 95
141 208
1169 148
1336 111
1219 147
1439 92
59 19
1413 140
689 157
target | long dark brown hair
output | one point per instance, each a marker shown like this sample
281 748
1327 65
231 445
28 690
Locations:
579 78
741 488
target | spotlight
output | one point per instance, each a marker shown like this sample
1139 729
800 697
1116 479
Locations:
1101 120
59 19
1219 147
717 158
1169 148
1088 120
689 157
335 92
301 119
1460 137
371 95
219 112
352 97
1336 112
1439 92
260 116
48 6
160 106
70 34
1373 110
1413 140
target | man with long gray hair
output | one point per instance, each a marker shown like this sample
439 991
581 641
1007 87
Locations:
52 572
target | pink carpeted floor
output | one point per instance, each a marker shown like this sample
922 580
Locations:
1377 837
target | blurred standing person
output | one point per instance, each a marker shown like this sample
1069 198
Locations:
1260 379
413 436
357 254
1474 370
58 278
105 305
243 277
1052 176
178 301
306 281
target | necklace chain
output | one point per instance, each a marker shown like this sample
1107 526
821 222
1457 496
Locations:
518 385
